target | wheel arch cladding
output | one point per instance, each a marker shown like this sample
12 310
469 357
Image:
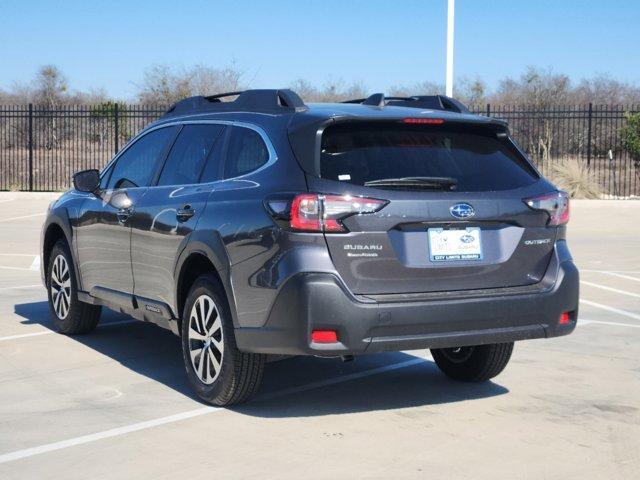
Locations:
196 264
53 233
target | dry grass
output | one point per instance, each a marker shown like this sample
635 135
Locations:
573 176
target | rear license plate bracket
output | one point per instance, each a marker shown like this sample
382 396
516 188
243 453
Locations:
455 245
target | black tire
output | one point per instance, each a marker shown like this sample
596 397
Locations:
239 374
80 317
473 364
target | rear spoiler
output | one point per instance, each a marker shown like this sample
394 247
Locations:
424 102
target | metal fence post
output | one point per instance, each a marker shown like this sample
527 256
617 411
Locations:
31 147
589 135
116 128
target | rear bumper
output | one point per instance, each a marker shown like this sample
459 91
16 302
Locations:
309 301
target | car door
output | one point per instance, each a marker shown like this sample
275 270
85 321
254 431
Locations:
103 231
169 211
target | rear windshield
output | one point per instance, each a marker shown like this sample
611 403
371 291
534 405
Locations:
357 153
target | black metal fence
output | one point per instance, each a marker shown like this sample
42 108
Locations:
41 147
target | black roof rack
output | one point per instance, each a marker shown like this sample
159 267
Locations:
268 101
431 102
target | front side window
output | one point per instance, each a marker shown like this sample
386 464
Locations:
246 152
189 153
137 164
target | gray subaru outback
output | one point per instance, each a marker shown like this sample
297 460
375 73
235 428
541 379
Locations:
252 224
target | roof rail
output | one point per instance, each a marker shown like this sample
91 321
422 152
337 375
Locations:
269 101
431 102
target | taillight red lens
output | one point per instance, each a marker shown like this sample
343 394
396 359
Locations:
556 204
305 213
312 212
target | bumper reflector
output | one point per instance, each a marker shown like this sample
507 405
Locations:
565 318
324 336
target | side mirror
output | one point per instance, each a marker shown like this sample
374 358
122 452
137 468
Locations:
86 180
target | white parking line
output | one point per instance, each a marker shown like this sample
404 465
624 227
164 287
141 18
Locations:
22 216
610 289
35 265
615 324
608 271
610 309
49 332
136 427
17 287
619 275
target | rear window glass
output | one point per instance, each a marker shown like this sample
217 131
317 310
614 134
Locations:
474 157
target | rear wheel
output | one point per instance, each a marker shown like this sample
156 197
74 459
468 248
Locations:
473 364
70 316
219 372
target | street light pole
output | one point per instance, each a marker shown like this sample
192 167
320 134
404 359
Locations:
450 15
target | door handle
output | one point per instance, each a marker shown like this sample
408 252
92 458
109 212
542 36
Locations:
185 213
123 214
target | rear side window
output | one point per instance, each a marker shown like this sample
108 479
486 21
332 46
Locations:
474 157
137 164
189 154
246 152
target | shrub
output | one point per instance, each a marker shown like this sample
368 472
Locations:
630 134
573 176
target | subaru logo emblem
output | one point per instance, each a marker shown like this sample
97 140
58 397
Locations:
462 210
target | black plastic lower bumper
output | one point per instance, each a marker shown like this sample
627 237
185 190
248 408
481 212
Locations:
320 301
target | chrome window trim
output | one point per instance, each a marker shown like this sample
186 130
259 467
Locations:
273 157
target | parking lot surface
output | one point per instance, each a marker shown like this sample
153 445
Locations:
116 403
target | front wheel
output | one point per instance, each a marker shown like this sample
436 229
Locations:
219 372
70 316
473 364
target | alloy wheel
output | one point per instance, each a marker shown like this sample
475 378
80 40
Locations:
61 287
206 342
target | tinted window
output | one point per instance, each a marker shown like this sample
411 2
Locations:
104 179
213 167
246 152
188 154
474 157
136 165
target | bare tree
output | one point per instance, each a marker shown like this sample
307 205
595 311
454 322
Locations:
535 88
163 84
421 88
331 91
603 90
471 91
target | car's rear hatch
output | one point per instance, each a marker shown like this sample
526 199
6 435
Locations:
470 231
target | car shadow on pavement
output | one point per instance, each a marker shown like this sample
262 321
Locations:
293 387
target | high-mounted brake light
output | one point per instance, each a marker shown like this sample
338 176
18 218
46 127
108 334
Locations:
556 204
427 121
312 212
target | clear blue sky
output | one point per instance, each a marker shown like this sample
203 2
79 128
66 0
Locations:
108 44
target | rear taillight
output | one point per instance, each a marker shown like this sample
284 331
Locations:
556 204
311 212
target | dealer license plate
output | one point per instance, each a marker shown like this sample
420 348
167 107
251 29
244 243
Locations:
454 245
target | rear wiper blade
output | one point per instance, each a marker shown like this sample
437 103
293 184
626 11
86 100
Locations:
414 182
